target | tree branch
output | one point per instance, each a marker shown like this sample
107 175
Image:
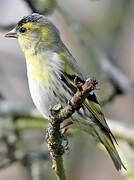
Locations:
44 7
31 5
120 81
58 115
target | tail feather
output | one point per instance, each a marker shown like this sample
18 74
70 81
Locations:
107 141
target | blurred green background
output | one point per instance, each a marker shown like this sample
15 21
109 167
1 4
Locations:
92 30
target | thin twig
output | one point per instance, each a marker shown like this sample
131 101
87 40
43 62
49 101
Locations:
45 7
58 115
31 5
118 78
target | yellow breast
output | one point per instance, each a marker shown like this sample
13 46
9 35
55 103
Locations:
37 68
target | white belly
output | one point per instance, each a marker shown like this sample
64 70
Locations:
45 98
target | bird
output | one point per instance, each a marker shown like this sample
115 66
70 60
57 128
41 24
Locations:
51 70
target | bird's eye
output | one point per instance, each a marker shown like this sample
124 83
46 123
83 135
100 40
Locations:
22 30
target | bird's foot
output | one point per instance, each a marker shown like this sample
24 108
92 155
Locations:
64 127
65 140
65 143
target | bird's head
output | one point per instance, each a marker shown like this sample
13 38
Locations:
34 30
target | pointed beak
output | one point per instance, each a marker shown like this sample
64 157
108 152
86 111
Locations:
12 34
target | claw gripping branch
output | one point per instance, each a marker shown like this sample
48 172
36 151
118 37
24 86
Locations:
58 115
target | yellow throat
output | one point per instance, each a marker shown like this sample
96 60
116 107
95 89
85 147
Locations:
37 68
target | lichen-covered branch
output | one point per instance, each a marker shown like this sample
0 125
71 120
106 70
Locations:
55 146
58 115
124 132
